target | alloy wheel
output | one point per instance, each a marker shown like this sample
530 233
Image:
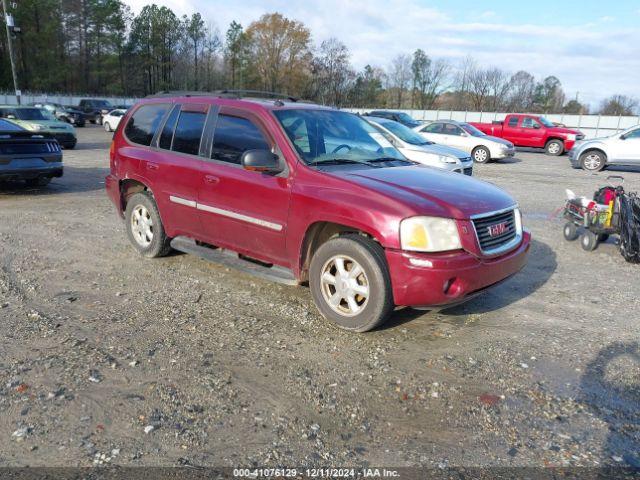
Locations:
142 225
344 285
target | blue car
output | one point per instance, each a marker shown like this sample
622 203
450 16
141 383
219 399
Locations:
25 155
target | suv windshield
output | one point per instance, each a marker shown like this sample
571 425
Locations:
404 133
471 130
325 136
32 114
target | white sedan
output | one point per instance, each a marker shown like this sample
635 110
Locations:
112 119
467 138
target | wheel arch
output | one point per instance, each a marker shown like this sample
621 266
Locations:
320 232
128 188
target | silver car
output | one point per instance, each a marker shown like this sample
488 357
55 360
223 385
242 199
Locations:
420 150
596 153
468 138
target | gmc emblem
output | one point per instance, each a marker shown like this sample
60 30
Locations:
497 229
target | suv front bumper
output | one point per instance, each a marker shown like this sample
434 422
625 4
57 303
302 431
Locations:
436 280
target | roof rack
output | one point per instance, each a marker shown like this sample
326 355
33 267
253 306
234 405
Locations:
225 94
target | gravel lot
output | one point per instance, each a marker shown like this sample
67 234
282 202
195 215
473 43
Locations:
109 358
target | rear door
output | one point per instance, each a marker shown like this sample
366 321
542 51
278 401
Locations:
245 211
171 164
512 131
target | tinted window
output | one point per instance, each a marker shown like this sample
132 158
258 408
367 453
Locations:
529 123
450 129
513 122
633 134
145 121
188 132
167 132
233 136
433 128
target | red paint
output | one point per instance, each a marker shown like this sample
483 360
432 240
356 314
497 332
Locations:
373 201
521 136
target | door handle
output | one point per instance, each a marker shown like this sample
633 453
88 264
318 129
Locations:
152 166
211 179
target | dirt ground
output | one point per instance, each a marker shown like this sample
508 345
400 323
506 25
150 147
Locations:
110 358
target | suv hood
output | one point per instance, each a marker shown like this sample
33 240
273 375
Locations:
431 191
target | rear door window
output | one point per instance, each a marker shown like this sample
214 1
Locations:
235 135
145 122
513 122
188 132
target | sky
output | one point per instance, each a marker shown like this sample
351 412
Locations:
592 46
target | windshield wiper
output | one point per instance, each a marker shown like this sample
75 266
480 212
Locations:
339 161
391 159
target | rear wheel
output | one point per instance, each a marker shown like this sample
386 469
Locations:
593 161
481 155
350 282
554 147
588 241
144 226
570 231
107 127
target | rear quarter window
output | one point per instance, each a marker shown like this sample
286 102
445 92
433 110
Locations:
144 123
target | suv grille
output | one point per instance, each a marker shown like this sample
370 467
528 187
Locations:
495 231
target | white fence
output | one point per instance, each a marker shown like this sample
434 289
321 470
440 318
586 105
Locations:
27 98
591 125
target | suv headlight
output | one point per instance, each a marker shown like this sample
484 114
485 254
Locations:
571 136
429 234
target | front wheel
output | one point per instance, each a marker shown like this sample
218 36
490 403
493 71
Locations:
588 241
144 226
593 161
554 147
570 231
481 155
350 283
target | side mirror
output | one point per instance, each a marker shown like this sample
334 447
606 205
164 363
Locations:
11 116
536 126
623 137
261 161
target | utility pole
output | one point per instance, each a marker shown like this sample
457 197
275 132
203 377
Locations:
11 29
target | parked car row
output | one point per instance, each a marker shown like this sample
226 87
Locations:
328 198
497 140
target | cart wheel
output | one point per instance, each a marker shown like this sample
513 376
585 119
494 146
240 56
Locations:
603 237
570 231
588 241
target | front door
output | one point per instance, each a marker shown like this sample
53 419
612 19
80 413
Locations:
245 211
628 150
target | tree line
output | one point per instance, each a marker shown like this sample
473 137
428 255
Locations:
101 47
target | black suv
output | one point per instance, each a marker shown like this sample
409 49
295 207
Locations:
94 109
399 117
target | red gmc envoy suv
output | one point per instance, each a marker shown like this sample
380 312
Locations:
299 193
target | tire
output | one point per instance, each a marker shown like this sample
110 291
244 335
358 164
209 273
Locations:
481 155
147 236
92 122
350 251
603 237
99 121
107 127
38 182
554 148
588 241
570 231
593 161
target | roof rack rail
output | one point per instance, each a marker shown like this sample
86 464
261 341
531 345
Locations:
225 94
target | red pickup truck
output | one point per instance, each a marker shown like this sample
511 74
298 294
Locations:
533 131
